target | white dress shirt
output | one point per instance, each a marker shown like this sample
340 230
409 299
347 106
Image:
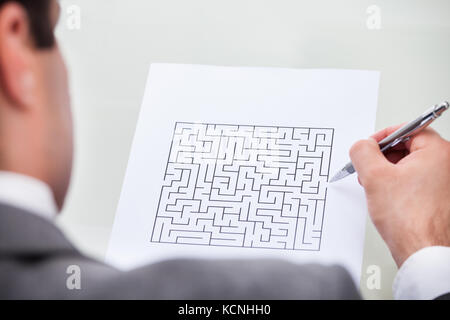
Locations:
424 275
29 194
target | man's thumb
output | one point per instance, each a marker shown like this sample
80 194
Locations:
368 160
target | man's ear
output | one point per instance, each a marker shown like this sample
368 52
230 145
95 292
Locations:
16 54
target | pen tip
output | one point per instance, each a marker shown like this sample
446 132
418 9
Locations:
333 179
338 176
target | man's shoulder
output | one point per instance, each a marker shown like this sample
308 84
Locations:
25 233
37 260
444 297
239 279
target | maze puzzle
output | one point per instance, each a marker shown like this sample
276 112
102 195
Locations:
245 186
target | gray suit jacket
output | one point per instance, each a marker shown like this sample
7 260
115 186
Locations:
35 255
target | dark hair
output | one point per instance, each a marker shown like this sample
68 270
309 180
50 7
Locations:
38 12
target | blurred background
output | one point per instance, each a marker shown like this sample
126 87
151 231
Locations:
110 44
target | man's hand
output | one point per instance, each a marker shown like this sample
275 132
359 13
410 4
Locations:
407 190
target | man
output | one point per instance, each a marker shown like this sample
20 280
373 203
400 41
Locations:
408 201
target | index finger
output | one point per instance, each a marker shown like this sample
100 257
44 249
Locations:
418 141
423 139
380 135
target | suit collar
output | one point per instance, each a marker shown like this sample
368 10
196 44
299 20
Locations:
24 233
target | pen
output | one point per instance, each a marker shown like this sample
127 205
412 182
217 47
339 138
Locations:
401 135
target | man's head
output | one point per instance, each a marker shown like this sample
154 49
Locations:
35 116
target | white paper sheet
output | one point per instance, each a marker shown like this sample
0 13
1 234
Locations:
233 162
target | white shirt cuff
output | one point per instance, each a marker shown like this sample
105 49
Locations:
424 275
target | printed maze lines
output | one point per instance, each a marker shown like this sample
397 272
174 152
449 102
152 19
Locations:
245 186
